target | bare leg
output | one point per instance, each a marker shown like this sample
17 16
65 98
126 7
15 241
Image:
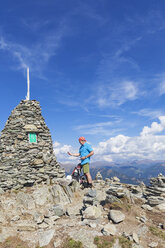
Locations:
88 177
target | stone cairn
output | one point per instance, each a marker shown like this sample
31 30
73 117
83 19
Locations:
155 193
24 162
98 176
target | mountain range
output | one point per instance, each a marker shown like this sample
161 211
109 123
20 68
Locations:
132 172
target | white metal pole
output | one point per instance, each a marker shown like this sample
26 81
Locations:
28 85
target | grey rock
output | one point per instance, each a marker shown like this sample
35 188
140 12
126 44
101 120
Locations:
37 162
98 176
92 225
160 225
26 200
17 153
163 226
86 237
90 201
57 210
116 216
15 218
74 185
38 217
74 210
25 225
155 193
154 200
137 246
135 238
42 196
143 219
45 237
59 195
109 229
147 207
7 232
66 188
1 191
143 229
161 207
115 179
91 193
153 244
92 213
49 221
111 199
57 243
43 226
2 217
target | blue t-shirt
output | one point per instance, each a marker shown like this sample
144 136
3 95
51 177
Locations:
84 150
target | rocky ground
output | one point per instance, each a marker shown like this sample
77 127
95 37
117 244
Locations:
64 215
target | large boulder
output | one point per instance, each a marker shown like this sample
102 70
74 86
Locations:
42 196
116 216
45 237
26 200
92 213
109 229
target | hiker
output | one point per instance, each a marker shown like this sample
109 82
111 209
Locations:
85 152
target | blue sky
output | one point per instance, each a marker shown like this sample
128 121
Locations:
97 67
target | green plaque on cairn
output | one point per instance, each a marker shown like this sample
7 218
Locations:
32 138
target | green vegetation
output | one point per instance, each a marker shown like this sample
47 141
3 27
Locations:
157 232
120 206
71 243
13 242
124 242
104 241
108 241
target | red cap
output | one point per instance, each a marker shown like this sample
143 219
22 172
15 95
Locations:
82 139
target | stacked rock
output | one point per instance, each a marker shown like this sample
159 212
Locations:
98 176
26 148
115 192
90 198
155 194
115 179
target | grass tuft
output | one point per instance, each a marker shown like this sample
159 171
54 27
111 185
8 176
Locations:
157 232
120 206
71 243
124 242
13 242
104 241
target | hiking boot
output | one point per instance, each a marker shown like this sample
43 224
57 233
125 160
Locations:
90 185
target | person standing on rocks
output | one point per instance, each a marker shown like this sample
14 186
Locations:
85 152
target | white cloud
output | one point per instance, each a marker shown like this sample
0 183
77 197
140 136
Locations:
35 56
61 152
100 128
162 86
129 148
155 127
150 144
117 94
130 90
158 83
56 144
90 12
100 124
152 114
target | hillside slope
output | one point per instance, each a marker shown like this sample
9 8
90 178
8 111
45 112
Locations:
67 215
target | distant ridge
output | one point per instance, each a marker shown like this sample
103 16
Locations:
132 172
